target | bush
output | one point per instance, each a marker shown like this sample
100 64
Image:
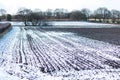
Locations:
8 17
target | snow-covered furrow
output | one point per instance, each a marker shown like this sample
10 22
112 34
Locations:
26 51
7 44
71 54
102 53
21 61
28 54
98 45
7 39
15 52
98 74
68 53
43 52
59 54
91 45
39 55
51 52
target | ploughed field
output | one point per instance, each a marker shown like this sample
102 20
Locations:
29 52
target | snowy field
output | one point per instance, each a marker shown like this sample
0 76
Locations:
74 24
40 54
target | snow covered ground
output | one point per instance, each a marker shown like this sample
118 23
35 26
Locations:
74 24
36 54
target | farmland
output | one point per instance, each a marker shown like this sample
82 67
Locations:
35 53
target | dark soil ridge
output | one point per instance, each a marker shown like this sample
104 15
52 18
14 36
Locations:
4 27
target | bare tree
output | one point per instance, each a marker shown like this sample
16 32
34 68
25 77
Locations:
24 13
37 17
77 15
8 17
3 13
60 13
87 12
115 15
48 13
34 18
102 14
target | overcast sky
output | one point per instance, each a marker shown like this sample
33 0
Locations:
12 5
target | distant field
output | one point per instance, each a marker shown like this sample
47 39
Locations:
110 35
72 24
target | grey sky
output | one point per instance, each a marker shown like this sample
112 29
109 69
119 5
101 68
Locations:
12 5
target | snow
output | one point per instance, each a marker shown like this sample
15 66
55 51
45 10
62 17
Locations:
13 22
5 76
81 24
36 54
111 74
77 23
88 45
69 24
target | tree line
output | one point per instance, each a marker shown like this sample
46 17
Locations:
38 17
